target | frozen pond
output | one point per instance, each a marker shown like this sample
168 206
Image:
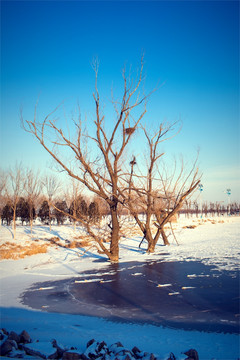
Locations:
187 295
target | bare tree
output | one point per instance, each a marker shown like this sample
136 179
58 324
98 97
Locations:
51 185
14 190
102 205
3 183
187 207
99 171
205 209
176 190
33 189
72 195
196 207
158 194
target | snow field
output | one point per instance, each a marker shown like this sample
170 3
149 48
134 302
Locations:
214 244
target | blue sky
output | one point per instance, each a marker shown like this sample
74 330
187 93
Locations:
191 48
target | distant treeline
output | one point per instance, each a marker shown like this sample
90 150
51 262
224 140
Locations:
58 213
209 209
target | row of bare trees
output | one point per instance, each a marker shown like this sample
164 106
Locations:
44 196
25 194
103 163
14 184
19 182
209 208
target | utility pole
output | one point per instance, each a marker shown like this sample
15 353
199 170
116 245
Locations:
200 188
228 192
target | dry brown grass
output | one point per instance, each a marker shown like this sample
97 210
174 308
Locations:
84 241
190 227
16 251
79 244
130 230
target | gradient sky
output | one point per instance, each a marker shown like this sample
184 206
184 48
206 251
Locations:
191 48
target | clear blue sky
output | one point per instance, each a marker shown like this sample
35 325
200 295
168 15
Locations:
191 47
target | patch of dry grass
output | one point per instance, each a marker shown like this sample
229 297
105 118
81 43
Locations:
190 227
128 230
79 242
16 251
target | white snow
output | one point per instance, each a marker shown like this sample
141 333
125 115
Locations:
213 241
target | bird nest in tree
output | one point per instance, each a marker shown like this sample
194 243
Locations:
133 162
130 130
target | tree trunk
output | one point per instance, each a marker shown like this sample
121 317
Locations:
49 214
151 247
14 223
74 214
31 226
153 241
31 218
114 246
164 237
150 240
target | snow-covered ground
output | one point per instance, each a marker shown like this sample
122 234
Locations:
212 241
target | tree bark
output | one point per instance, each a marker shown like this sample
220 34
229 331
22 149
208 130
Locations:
31 218
151 247
14 223
164 237
149 239
49 214
114 246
